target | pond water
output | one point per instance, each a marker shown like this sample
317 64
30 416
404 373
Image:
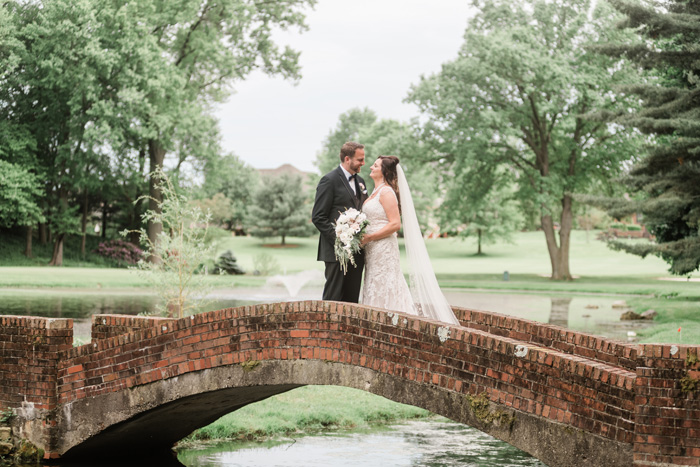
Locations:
593 314
413 443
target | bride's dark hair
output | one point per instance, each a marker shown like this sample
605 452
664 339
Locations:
389 173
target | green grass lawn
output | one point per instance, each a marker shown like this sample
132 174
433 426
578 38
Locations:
308 409
528 256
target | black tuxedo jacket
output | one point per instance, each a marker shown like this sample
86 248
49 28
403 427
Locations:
333 196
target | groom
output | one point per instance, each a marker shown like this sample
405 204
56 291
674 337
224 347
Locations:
339 190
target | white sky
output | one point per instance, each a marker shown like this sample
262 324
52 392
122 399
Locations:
356 53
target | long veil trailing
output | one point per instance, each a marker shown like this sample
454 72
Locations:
425 290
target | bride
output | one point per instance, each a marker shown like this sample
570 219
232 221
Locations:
384 285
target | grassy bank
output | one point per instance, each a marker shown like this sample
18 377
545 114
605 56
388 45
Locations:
309 409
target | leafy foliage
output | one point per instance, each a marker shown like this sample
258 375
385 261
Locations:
94 95
280 208
227 190
120 251
19 192
227 264
265 264
171 261
480 203
349 126
511 106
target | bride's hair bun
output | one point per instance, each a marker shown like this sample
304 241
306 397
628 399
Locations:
393 159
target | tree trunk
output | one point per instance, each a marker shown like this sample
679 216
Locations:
134 224
156 154
283 236
28 247
104 220
552 247
42 234
83 225
57 257
478 248
567 222
559 254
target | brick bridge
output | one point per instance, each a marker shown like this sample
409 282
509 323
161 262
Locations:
141 384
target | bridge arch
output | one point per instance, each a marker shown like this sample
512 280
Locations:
149 419
566 398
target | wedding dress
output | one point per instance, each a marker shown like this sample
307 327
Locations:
384 285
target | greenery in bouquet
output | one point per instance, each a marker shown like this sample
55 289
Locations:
349 230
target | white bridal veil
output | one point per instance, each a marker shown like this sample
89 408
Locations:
425 290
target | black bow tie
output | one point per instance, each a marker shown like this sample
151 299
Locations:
352 177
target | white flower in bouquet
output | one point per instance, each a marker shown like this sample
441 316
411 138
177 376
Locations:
349 230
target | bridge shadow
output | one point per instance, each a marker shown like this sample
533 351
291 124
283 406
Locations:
151 435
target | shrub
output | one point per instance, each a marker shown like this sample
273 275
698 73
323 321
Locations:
227 264
618 225
120 251
633 227
265 264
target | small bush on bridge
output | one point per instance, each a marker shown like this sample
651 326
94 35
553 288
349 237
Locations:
173 258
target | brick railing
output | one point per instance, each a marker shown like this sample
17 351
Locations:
30 349
571 342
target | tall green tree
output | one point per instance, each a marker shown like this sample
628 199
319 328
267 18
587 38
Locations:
93 95
481 202
280 209
515 98
230 177
207 48
665 184
389 137
19 192
349 125
56 95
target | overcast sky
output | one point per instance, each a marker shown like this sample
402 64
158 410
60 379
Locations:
356 53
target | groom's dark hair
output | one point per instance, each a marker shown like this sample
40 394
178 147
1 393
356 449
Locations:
348 150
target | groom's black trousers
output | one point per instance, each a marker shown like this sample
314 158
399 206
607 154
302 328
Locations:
343 287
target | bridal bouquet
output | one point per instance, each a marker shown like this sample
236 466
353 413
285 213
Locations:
349 230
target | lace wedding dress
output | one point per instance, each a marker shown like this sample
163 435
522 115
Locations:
384 285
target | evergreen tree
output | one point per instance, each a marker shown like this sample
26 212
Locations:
666 183
280 208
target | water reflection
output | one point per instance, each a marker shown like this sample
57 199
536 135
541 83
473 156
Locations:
413 443
71 304
593 314
560 311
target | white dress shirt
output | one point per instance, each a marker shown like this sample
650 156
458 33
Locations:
347 177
